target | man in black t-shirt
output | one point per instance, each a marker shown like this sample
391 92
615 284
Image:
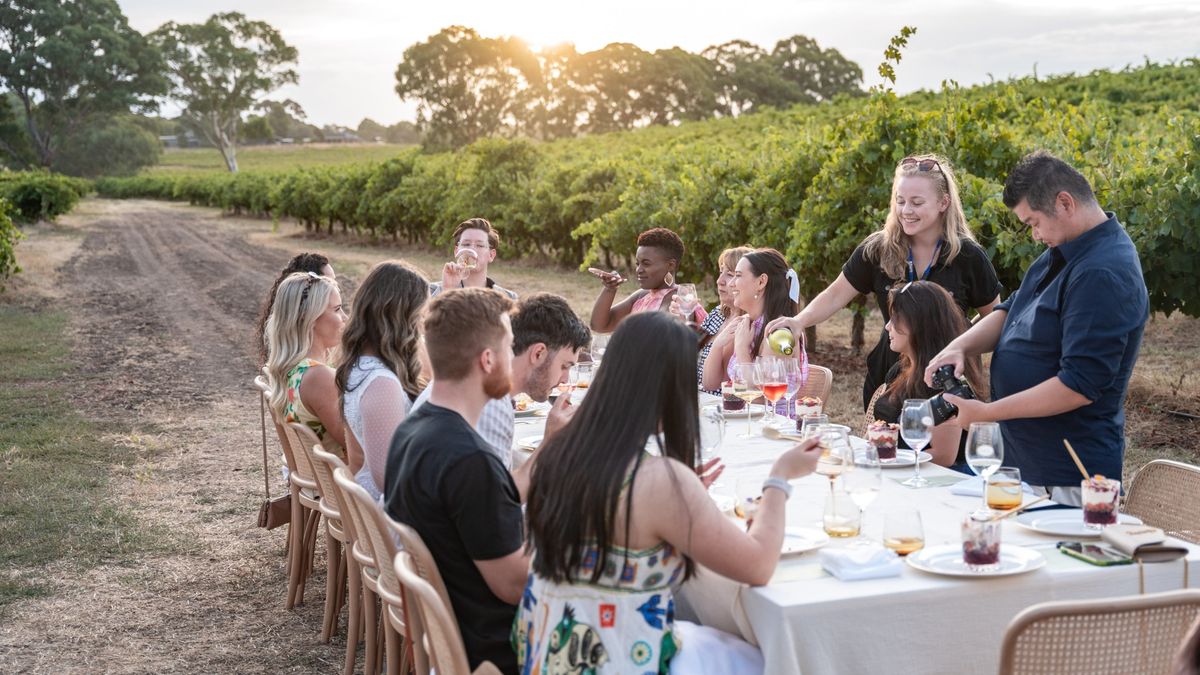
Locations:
442 480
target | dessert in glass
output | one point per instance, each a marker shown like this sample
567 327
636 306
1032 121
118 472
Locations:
806 405
981 541
884 435
1100 497
729 400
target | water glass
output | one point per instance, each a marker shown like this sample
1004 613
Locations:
916 428
1002 489
985 448
810 422
712 432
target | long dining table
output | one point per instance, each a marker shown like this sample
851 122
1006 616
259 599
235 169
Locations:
807 621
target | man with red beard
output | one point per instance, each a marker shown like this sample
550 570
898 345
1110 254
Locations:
444 482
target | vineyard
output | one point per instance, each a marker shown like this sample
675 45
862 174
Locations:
811 181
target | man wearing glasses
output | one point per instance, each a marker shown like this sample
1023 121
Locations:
1063 346
475 247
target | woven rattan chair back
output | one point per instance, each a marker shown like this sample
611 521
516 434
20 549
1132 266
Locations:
1138 634
376 531
439 630
819 384
1166 494
869 415
423 561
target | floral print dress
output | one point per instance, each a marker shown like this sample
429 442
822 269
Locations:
622 623
294 410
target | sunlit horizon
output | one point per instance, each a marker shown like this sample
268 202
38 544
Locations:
348 54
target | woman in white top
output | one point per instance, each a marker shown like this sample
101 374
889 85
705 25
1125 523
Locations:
380 374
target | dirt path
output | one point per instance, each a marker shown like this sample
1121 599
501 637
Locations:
162 301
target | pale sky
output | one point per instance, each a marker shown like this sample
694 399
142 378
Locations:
349 48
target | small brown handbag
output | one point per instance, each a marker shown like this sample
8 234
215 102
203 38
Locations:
278 511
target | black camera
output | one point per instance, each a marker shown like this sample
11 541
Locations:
945 380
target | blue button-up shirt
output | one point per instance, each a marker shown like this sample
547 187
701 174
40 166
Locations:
1078 316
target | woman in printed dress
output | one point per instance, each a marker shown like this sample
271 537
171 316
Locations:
618 517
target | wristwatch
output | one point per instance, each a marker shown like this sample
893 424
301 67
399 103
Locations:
779 484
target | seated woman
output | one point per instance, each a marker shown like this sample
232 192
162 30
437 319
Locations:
715 320
659 252
764 287
304 262
924 319
379 376
305 326
614 528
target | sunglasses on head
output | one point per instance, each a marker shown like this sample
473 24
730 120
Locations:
921 164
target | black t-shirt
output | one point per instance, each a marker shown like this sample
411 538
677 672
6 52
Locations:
888 408
970 278
442 480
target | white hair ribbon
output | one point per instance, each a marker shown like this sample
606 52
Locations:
794 285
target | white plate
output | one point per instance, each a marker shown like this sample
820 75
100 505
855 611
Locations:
756 410
529 443
947 560
802 539
904 458
534 410
1065 522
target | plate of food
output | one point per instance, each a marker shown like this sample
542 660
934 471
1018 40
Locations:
524 406
1064 522
947 560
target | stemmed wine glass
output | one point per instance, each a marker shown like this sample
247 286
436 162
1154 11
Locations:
864 482
837 455
685 296
466 260
985 450
792 375
599 344
712 434
916 428
746 387
772 374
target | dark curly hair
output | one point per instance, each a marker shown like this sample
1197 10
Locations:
665 240
304 262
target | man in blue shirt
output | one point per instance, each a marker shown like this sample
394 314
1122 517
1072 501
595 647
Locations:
1065 343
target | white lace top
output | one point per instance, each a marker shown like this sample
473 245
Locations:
374 405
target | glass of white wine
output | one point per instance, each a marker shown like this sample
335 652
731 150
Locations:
746 387
685 296
865 481
837 455
466 260
916 428
903 531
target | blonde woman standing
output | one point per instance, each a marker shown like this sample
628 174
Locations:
925 237
304 328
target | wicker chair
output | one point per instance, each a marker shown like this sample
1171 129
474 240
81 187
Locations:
1166 494
819 384
426 566
869 415
303 475
304 509
375 528
438 629
1138 634
339 538
1187 661
363 574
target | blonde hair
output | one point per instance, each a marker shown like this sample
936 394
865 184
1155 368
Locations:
889 246
729 259
300 300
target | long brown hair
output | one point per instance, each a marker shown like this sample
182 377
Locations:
776 301
927 314
386 317
889 247
648 382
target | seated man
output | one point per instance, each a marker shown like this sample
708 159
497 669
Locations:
547 337
443 481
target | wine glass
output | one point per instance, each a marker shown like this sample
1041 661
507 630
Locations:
712 432
745 387
864 482
916 428
837 455
685 295
985 448
792 376
599 345
772 373
466 260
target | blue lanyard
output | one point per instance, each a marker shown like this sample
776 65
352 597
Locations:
912 270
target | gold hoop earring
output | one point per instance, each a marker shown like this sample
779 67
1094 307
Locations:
670 279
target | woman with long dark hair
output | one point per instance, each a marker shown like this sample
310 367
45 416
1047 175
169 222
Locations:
380 373
764 287
617 515
924 319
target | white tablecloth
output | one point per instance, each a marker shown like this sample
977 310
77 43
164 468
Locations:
806 621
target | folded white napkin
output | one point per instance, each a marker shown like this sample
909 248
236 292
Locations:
973 487
861 562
